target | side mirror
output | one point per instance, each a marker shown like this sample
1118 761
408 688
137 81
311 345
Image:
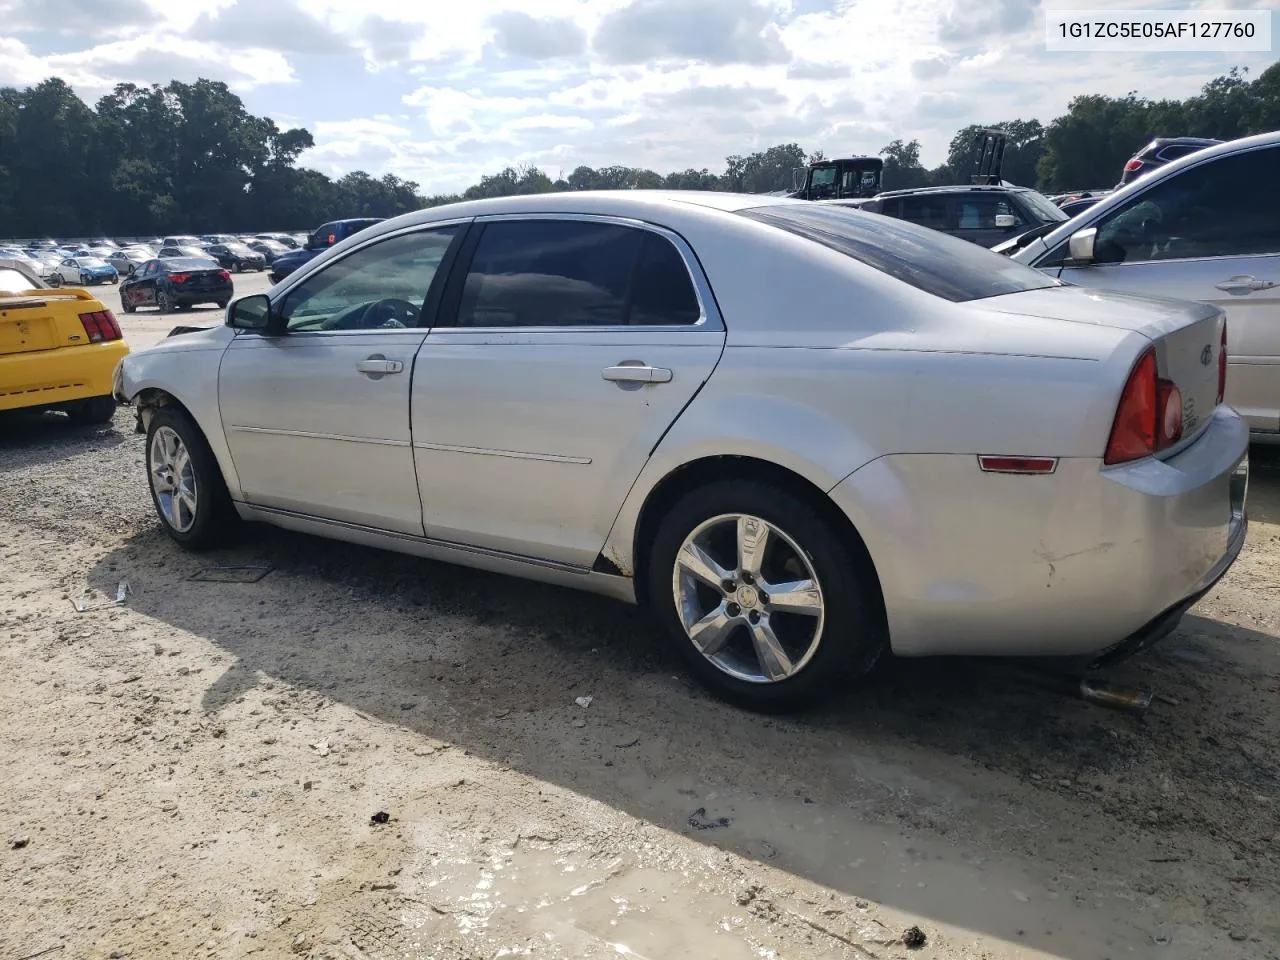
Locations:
797 179
1080 246
1006 221
251 313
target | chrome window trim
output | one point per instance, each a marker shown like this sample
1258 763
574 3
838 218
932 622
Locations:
709 317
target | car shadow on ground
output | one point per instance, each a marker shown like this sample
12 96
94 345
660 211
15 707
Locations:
42 437
947 748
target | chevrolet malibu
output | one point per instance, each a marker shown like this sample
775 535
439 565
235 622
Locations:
801 436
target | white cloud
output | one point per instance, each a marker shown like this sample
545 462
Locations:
448 92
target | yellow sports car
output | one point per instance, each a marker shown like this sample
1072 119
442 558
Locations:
58 348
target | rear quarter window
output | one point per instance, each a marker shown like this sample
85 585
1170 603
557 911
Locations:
934 262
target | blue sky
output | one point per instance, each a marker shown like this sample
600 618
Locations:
443 91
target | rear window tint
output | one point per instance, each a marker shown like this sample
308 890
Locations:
944 266
192 263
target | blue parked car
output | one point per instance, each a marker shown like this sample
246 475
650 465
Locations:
82 271
317 243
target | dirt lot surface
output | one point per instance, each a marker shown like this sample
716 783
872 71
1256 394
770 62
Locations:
196 771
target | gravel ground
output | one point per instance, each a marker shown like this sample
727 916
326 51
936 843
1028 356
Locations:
195 772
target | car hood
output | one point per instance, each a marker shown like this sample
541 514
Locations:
296 256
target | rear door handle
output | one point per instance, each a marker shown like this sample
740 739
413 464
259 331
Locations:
1244 284
379 366
629 373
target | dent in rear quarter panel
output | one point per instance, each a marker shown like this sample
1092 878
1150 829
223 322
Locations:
1069 563
187 369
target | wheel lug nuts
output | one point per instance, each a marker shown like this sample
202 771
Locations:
747 578
755 616
764 598
733 610
728 586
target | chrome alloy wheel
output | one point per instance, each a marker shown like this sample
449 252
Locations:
173 479
748 598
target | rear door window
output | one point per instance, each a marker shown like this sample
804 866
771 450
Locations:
574 273
928 210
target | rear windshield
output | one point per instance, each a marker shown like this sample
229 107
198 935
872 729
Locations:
191 263
952 269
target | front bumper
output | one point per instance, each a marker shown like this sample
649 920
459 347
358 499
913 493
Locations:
46 378
1070 564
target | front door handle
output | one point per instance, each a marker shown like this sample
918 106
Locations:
378 366
636 373
1244 284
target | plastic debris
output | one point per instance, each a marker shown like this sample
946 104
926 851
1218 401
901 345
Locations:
583 702
82 604
247 573
321 748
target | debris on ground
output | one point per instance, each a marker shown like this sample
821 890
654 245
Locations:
19 843
914 938
583 702
82 604
700 821
247 573
379 818
321 747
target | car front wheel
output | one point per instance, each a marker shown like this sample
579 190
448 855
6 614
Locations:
765 602
187 487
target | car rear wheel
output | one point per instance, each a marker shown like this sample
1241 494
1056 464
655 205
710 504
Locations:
237 266
766 604
187 487
93 410
164 302
222 304
55 279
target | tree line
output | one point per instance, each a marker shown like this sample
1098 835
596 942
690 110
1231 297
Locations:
188 157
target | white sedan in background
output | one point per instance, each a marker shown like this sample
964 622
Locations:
800 435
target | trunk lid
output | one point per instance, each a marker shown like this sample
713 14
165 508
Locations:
45 322
202 278
1187 335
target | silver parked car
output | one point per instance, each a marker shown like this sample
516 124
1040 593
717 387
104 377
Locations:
1204 227
800 435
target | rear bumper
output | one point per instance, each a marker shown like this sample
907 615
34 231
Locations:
1071 563
46 378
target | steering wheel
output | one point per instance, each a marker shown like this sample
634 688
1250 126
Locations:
391 312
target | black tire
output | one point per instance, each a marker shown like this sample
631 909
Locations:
237 266
222 304
93 410
125 304
216 521
164 303
55 280
853 634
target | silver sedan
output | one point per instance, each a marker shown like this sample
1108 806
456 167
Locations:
801 436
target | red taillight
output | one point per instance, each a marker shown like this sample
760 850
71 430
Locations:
224 275
1222 364
1149 417
1132 165
179 277
100 326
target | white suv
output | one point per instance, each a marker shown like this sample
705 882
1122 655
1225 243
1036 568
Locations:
1204 227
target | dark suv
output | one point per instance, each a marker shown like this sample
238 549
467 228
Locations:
320 240
1160 151
984 215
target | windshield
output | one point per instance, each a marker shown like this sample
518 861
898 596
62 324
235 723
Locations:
944 266
1042 206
